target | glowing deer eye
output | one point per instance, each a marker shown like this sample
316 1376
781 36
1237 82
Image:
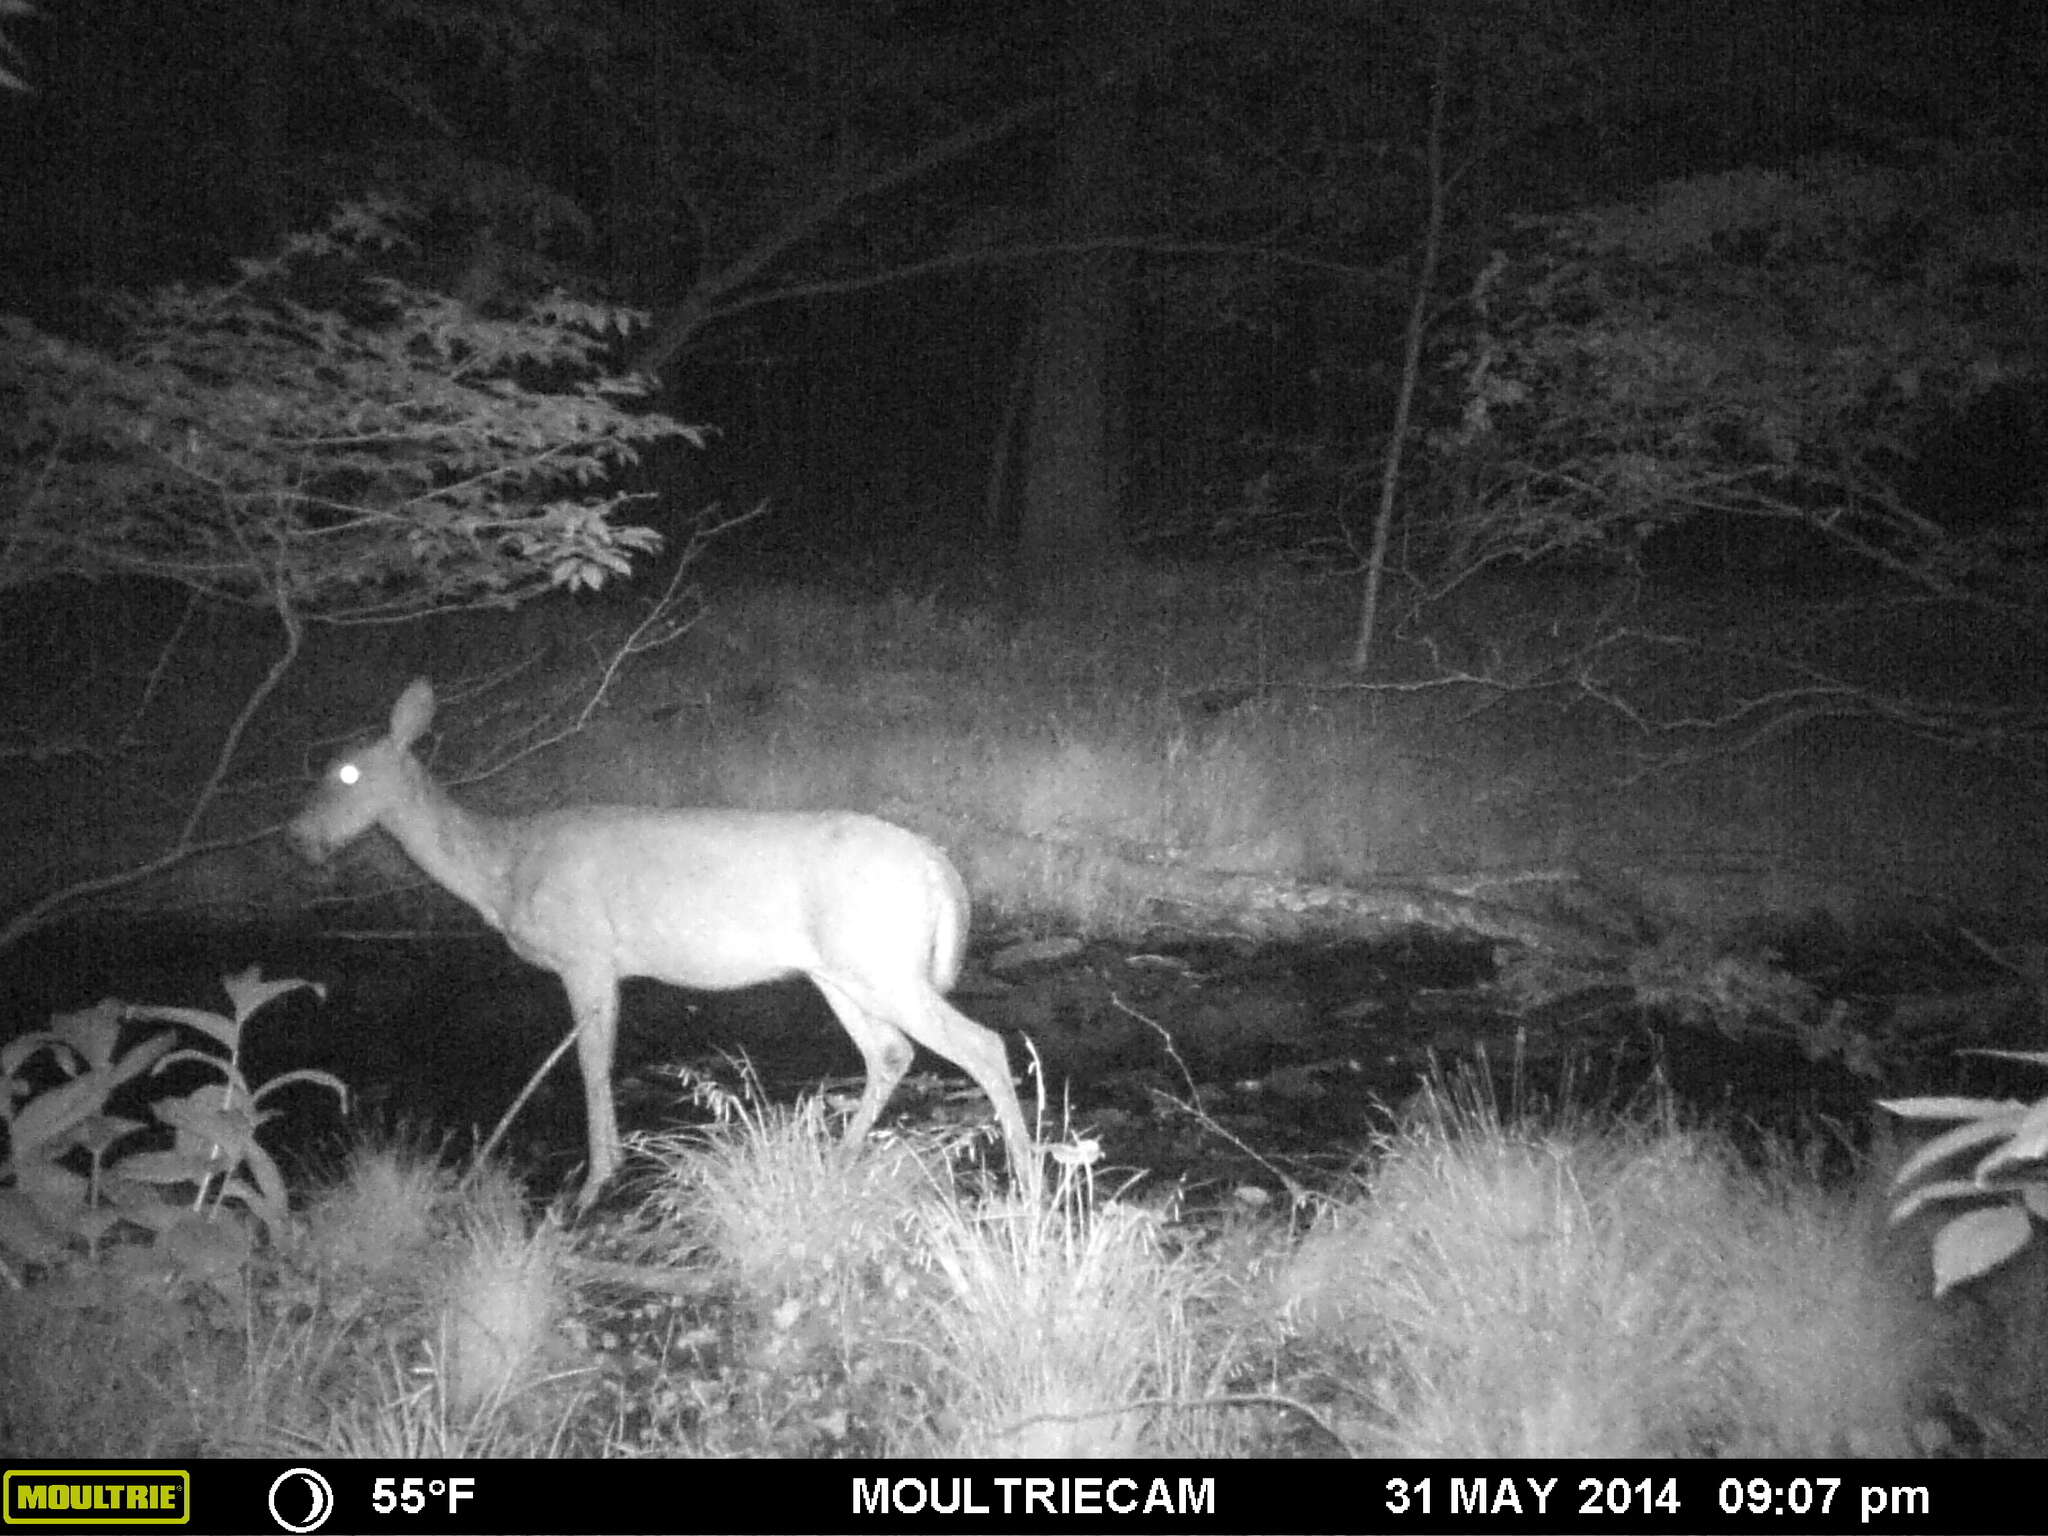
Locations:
348 773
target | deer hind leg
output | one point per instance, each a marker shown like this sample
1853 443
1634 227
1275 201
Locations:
595 1002
979 1051
917 1009
884 1049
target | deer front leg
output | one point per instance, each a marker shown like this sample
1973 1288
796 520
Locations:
595 1003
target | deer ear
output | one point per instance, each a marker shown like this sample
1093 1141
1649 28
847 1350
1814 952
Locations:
413 712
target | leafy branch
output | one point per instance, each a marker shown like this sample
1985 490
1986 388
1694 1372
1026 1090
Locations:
323 435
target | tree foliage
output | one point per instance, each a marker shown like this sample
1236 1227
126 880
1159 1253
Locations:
1761 344
323 436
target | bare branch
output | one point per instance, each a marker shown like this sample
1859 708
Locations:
187 845
674 332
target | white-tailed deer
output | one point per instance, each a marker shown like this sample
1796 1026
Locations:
873 914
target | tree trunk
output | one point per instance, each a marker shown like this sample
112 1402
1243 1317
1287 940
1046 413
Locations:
1416 333
1069 494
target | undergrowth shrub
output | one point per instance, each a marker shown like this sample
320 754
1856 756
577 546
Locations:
2005 1190
185 1218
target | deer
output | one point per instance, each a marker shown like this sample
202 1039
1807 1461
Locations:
710 899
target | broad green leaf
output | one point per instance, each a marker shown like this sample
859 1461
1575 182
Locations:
1977 1242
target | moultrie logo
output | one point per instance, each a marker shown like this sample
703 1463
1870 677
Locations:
99 1497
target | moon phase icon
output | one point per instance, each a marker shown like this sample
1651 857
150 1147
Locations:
319 1495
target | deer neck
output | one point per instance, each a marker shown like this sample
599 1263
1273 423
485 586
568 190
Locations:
464 852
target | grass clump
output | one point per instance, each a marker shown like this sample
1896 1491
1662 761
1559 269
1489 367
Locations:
1633 1289
927 1315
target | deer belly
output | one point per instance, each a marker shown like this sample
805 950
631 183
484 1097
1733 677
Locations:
715 956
